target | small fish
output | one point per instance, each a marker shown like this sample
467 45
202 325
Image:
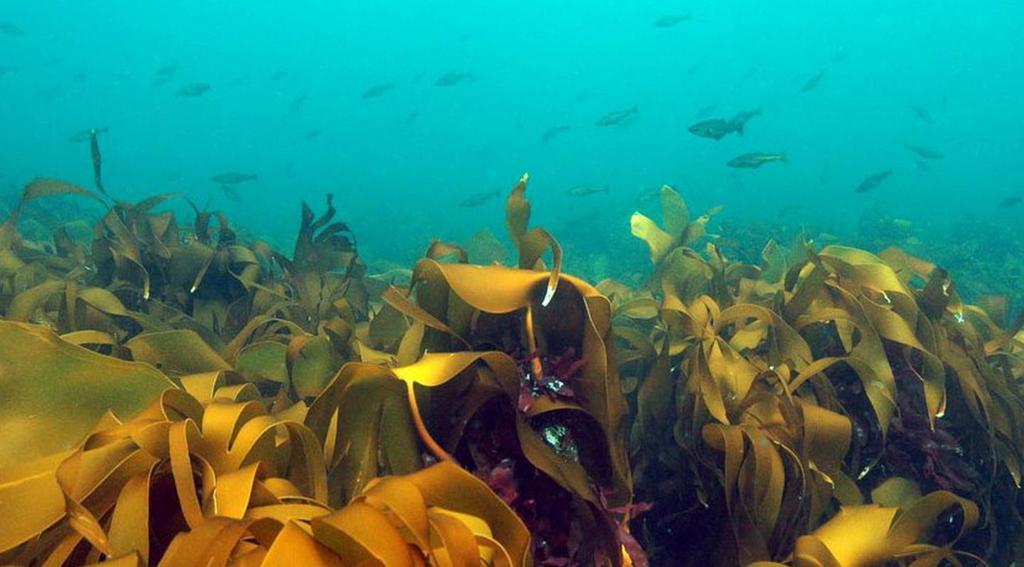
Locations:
925 152
313 134
552 132
586 190
279 74
7 28
452 78
872 181
97 160
377 90
619 117
164 75
740 120
706 111
1010 202
478 199
194 89
297 104
233 178
812 83
85 135
755 159
922 113
671 20
412 117
715 128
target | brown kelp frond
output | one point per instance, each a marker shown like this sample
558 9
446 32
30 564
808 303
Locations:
182 391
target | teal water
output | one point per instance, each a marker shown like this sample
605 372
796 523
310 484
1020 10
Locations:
945 75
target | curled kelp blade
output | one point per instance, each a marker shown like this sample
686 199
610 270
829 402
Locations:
531 243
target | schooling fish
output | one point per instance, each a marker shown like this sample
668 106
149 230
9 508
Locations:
553 131
233 178
97 160
872 181
377 90
925 152
755 159
452 78
922 113
85 135
671 20
8 28
619 117
478 199
812 83
715 128
1010 202
194 89
586 190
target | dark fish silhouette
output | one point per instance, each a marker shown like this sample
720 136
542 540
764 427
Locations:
279 74
1011 201
97 160
552 132
194 89
7 28
164 75
671 20
755 159
313 134
717 128
922 113
872 181
706 111
233 178
85 135
452 78
925 152
812 83
586 190
377 90
478 199
619 117
297 104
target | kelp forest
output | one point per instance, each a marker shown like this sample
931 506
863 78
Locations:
176 392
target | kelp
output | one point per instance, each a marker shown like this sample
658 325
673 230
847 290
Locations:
181 391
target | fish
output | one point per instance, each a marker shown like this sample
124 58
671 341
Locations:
7 28
412 116
97 160
279 74
1010 202
297 104
194 89
377 90
85 135
552 132
233 178
477 199
671 20
812 83
872 181
755 159
714 128
922 113
619 117
706 111
718 128
452 78
925 152
164 74
313 134
586 190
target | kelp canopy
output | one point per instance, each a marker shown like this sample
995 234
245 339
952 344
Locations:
179 395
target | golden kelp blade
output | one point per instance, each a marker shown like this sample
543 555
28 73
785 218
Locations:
54 391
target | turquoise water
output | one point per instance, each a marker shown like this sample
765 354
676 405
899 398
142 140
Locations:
286 101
